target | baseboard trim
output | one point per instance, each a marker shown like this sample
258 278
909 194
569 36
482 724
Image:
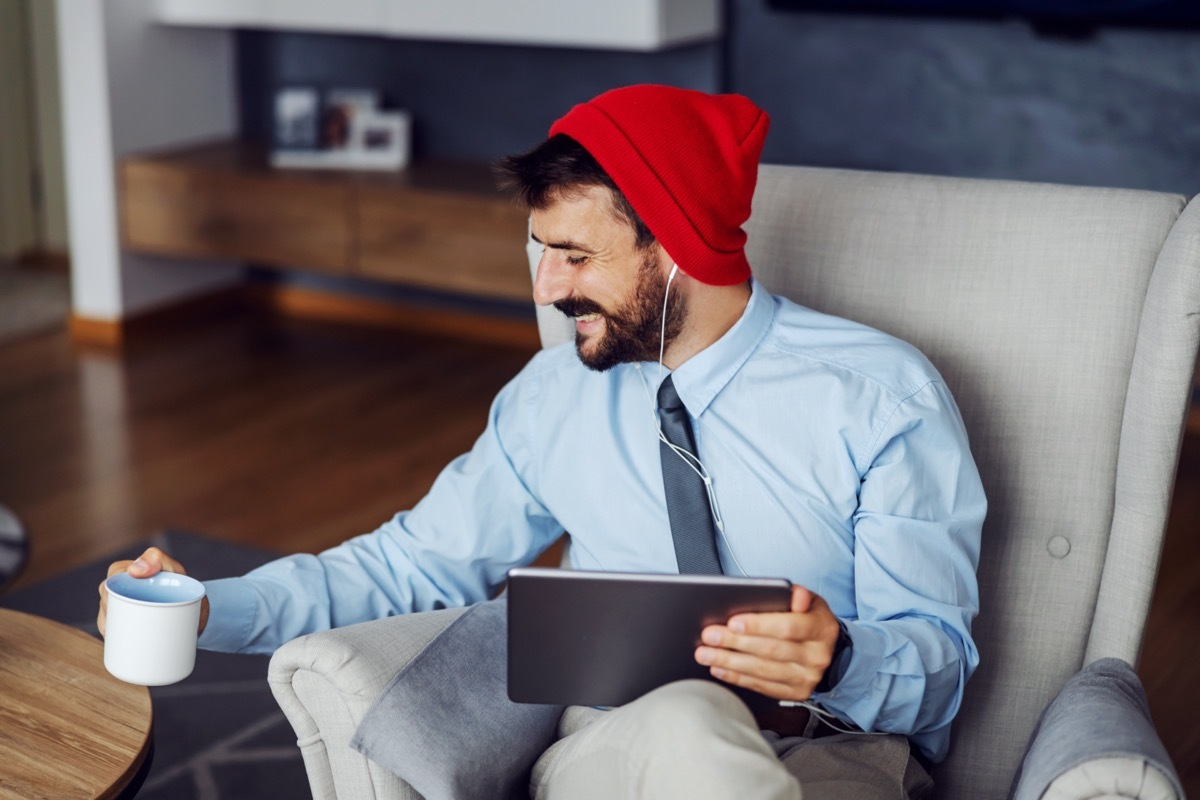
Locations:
99 332
95 332
306 303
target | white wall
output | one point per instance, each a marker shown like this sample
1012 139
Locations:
128 85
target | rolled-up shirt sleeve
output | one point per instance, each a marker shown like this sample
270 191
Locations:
916 551
480 518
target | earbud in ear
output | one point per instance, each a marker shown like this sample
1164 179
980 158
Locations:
674 269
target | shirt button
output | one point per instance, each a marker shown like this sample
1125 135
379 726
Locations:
1059 547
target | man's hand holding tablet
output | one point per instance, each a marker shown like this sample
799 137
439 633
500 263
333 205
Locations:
782 655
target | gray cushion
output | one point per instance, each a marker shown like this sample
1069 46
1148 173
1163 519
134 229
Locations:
1097 739
445 725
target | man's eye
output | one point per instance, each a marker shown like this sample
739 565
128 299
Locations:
576 261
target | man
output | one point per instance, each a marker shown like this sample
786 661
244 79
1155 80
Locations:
828 453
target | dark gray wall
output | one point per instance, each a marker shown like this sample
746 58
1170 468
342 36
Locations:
977 98
985 98
468 101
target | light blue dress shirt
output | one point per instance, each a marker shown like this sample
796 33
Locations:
838 458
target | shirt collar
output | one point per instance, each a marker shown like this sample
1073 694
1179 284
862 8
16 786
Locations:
702 377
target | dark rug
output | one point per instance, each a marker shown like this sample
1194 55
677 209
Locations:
217 735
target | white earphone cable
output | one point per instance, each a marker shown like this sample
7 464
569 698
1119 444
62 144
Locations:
829 719
687 457
662 330
697 466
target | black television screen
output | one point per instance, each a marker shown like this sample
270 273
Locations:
1073 13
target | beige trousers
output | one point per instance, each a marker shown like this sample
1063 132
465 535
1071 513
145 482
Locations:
696 740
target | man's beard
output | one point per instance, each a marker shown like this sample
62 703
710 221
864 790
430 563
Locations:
631 332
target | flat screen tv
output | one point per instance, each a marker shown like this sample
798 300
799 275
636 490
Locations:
1067 14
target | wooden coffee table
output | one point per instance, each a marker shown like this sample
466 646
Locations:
68 729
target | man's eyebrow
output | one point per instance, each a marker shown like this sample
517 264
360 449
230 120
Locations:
567 245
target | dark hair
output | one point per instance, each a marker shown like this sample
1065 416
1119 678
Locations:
558 167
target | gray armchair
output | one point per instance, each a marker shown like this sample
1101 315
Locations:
1066 322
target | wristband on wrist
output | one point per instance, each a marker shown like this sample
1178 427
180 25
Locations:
839 662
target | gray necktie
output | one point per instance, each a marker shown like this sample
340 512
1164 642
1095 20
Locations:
692 525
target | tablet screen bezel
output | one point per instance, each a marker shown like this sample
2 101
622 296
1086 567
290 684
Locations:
606 638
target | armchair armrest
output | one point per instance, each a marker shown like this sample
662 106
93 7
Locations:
1096 739
326 682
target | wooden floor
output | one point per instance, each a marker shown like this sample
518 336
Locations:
290 436
295 435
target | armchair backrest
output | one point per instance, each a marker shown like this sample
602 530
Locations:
1065 321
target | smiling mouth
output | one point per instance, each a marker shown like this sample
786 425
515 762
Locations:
587 318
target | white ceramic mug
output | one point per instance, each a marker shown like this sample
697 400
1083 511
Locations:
151 628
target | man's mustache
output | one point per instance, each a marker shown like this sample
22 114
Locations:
578 307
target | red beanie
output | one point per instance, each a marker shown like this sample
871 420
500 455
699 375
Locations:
686 161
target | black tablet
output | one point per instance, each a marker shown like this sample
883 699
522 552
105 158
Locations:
607 638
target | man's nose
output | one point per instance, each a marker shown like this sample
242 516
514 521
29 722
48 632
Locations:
553 280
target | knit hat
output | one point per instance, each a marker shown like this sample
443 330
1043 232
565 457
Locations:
686 161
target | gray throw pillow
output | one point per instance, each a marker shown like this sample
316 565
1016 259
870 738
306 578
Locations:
1101 713
445 724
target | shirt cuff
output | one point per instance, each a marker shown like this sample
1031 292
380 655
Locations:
232 605
866 654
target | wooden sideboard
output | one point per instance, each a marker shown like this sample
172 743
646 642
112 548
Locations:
440 226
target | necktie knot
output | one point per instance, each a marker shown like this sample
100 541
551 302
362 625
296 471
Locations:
668 398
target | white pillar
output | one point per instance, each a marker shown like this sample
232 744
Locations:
129 84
